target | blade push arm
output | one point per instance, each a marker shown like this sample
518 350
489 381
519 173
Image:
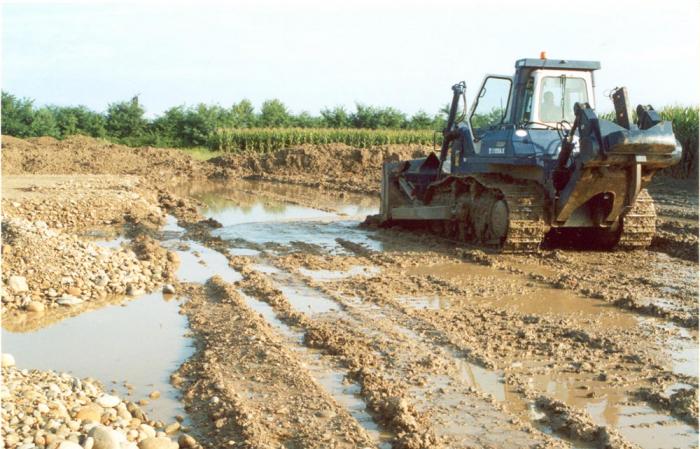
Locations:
449 134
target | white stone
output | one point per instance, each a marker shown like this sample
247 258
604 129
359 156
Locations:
36 307
8 360
106 438
131 290
149 431
69 300
168 288
108 401
158 443
69 445
18 284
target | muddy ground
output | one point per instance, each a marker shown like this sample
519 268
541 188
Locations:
310 330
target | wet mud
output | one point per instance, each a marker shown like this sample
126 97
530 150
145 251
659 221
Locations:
275 319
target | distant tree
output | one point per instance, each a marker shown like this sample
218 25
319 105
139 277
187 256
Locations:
44 124
490 118
243 114
125 119
67 120
91 123
17 115
306 120
201 122
374 118
274 114
421 120
336 117
166 129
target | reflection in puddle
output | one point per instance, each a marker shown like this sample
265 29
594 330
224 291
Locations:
260 221
275 197
682 349
643 426
141 343
320 234
232 214
111 244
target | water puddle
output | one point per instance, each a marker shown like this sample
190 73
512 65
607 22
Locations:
141 343
198 263
118 341
637 422
433 302
334 275
302 297
111 243
249 192
521 295
332 378
680 347
254 221
645 427
312 236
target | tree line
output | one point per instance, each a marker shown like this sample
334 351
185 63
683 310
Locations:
189 126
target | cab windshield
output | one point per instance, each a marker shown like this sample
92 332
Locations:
558 96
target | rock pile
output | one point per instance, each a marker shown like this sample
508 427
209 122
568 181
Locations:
44 267
87 203
44 409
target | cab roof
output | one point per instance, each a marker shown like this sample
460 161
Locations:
561 64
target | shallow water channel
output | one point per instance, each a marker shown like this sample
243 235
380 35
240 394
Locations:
142 341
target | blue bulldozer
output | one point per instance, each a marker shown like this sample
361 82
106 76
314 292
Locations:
531 160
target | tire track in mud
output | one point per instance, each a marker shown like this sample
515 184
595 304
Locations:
415 389
247 389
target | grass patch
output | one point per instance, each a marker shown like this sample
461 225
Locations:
201 153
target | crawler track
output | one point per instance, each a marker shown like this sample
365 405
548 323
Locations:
474 199
526 208
639 225
527 226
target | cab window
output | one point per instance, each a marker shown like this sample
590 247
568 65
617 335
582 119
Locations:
491 104
558 96
526 111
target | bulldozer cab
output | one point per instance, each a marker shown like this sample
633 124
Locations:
550 95
540 96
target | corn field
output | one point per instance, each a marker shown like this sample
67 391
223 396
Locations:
685 126
272 139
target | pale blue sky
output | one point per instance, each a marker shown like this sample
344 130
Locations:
313 54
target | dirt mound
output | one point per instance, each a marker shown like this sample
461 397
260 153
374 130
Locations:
336 166
333 166
86 155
